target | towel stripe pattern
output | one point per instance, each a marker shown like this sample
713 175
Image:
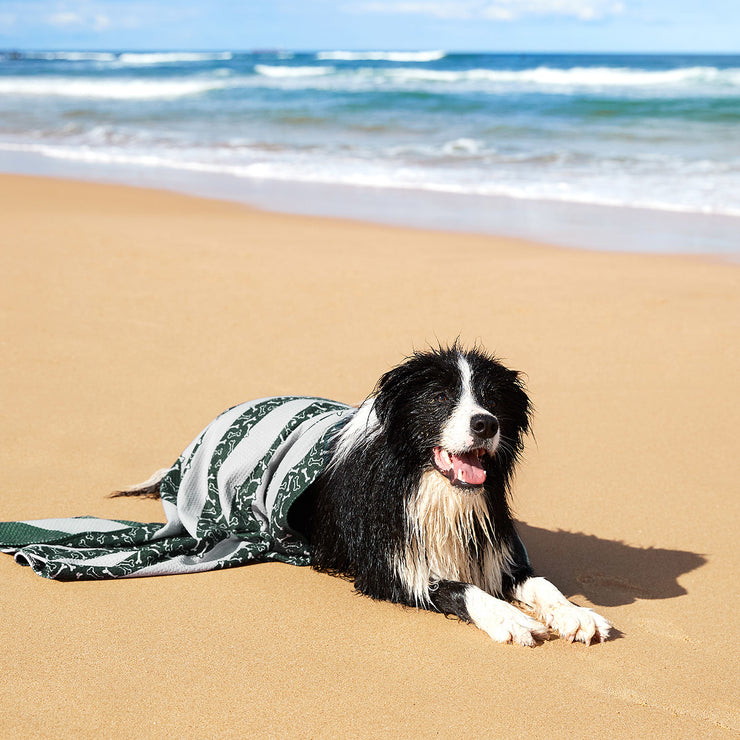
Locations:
226 501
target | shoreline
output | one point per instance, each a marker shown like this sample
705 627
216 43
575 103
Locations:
617 229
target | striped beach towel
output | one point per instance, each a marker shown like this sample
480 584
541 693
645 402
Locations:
226 500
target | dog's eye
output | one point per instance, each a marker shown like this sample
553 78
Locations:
440 398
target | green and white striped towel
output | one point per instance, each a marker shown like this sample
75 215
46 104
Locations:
226 501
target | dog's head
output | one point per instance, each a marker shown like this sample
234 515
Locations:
460 412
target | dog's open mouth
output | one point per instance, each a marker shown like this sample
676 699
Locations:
463 469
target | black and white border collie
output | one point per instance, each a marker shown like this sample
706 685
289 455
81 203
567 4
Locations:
413 505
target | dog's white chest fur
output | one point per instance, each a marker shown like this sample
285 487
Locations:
443 527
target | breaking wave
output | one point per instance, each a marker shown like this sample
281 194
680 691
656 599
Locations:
134 58
269 70
381 56
113 89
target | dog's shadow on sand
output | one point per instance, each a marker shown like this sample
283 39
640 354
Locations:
606 572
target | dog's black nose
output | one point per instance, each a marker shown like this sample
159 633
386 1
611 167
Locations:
484 425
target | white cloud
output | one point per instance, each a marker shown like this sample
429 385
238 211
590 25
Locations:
7 21
434 9
101 22
496 10
86 21
64 19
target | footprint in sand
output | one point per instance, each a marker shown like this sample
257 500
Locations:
612 583
661 628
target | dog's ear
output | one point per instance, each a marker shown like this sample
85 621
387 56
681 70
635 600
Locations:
384 393
519 400
516 408
395 388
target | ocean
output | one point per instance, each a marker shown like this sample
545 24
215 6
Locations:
633 152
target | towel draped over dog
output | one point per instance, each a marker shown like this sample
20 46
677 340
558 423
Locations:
226 500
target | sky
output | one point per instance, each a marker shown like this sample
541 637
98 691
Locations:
452 25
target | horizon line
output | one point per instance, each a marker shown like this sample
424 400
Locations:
280 49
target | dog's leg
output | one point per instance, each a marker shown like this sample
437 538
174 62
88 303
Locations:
502 621
571 621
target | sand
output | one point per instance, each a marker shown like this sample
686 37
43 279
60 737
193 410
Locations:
131 317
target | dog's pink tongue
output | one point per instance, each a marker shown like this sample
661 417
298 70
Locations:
465 467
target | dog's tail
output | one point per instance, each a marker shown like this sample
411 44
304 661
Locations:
149 488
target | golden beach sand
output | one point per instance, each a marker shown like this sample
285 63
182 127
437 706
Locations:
131 318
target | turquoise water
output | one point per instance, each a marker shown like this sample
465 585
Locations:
659 133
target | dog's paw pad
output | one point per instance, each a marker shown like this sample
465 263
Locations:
578 624
516 628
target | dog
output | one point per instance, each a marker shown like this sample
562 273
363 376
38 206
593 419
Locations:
413 502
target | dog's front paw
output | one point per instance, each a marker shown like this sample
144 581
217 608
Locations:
516 628
577 623
504 622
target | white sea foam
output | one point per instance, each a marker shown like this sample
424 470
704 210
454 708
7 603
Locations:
614 76
116 89
578 77
269 70
600 186
96 112
175 57
133 58
71 56
463 145
686 81
380 56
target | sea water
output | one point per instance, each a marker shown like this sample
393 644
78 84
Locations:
526 144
